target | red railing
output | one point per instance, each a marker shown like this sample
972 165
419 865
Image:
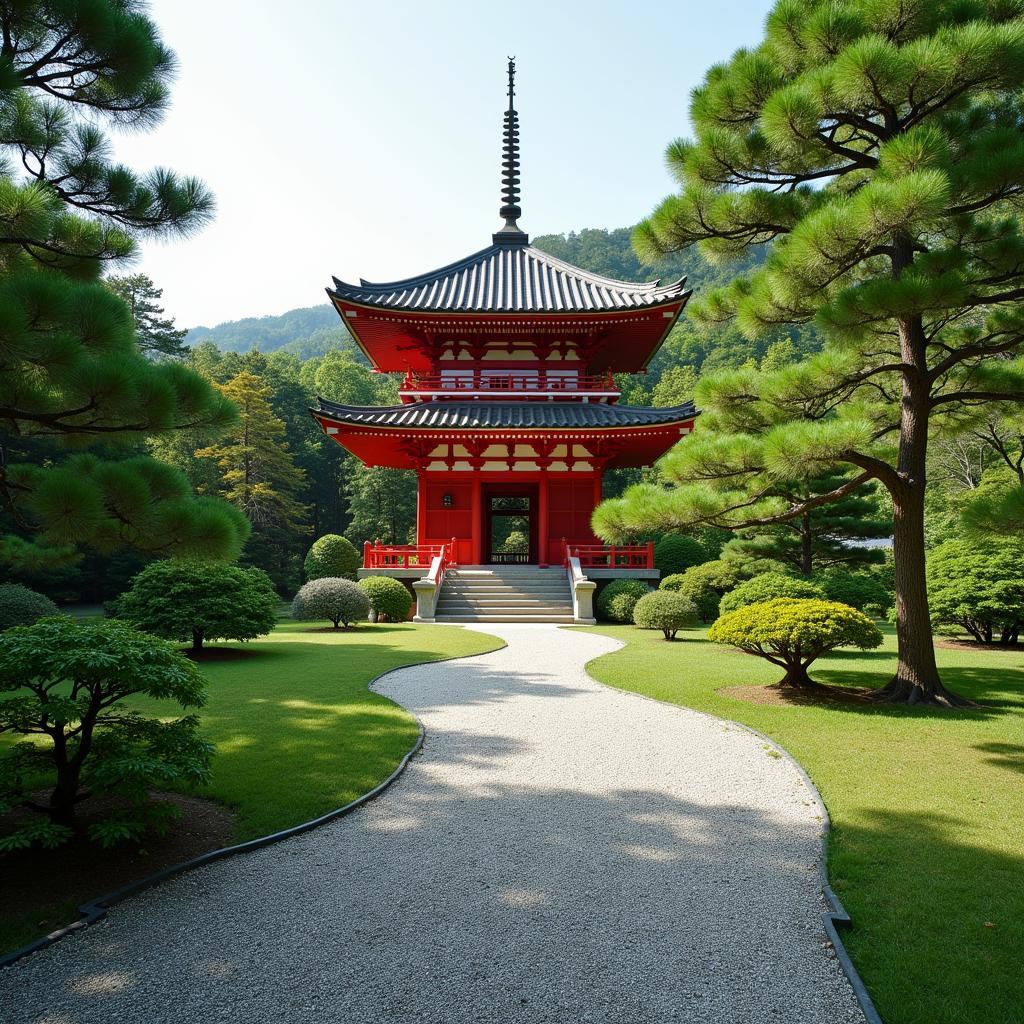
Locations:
501 381
609 556
406 556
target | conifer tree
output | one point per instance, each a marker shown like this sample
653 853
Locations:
155 333
257 472
879 149
71 373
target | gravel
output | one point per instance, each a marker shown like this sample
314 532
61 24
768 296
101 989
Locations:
559 851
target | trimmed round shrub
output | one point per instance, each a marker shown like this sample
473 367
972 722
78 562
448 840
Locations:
666 610
706 584
617 600
860 590
331 555
389 597
767 587
675 553
195 601
793 632
978 587
20 606
339 601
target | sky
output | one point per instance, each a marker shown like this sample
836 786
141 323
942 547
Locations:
360 139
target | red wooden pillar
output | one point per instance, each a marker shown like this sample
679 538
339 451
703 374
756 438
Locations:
543 541
597 488
476 548
421 507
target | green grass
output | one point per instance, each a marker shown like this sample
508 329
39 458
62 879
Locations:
927 807
296 730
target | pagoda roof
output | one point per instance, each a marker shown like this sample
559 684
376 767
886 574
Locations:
510 278
454 415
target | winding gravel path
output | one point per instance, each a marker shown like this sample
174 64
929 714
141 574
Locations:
558 852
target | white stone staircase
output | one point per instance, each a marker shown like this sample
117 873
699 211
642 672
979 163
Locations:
505 593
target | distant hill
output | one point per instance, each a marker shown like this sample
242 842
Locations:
305 332
317 329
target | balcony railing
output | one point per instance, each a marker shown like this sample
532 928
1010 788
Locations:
406 556
497 383
609 556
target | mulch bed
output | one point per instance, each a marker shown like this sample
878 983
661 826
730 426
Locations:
951 644
330 629
783 696
80 870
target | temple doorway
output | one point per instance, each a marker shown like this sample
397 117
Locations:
510 524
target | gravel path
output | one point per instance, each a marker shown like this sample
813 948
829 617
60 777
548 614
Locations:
558 852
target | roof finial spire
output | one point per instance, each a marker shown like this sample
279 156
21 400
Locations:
510 208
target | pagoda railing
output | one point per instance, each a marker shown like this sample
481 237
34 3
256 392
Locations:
609 556
406 556
497 382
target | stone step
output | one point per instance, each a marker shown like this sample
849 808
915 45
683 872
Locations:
566 619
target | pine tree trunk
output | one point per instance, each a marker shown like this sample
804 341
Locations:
917 675
806 545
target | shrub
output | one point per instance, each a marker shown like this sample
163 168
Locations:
388 597
199 601
71 681
617 599
766 587
675 553
706 584
340 601
665 610
979 587
332 556
793 632
859 590
20 606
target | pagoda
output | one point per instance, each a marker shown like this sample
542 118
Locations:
508 404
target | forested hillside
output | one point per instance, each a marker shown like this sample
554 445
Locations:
303 332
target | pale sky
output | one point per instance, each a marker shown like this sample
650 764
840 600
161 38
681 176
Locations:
364 139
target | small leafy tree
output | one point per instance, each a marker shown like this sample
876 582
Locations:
200 601
666 610
338 600
332 555
617 599
979 587
706 584
388 597
675 553
860 590
20 606
793 632
66 683
767 587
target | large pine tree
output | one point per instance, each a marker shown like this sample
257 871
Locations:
879 149
71 373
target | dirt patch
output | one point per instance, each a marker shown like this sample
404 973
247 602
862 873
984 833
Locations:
220 653
80 870
951 644
330 629
776 695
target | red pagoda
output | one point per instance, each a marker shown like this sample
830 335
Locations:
508 407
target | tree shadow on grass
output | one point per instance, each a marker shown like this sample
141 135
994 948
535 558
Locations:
1006 755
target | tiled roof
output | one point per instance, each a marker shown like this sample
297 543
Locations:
510 279
449 415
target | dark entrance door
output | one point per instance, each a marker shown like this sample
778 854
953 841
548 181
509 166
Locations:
510 524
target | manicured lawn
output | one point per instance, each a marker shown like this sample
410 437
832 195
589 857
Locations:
297 732
927 808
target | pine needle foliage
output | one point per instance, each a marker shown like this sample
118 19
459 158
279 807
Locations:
71 371
878 149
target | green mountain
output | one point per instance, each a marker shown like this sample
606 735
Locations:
304 332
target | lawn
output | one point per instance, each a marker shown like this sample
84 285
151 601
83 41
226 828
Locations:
927 807
297 731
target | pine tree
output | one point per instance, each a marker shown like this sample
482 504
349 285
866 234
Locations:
257 472
155 334
879 149
71 373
